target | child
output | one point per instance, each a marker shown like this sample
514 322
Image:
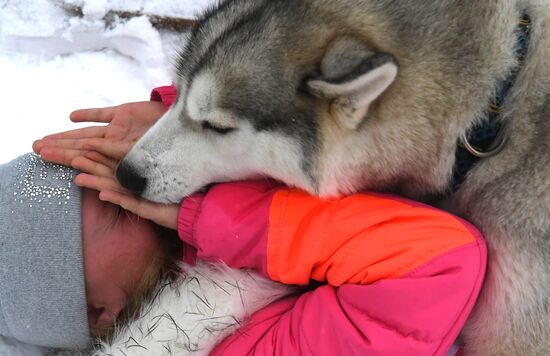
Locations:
387 275
69 263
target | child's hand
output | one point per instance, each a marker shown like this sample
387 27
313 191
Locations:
97 150
126 124
99 175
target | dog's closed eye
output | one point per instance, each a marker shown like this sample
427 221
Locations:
207 125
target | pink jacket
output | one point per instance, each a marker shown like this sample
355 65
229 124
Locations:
392 276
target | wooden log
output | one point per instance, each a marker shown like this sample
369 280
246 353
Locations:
175 24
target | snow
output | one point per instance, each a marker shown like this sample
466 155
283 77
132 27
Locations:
52 63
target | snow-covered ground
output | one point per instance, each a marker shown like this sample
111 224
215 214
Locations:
52 63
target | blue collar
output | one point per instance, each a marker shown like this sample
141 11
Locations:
487 138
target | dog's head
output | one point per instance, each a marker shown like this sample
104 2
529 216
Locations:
267 95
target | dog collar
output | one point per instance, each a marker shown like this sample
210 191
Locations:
487 138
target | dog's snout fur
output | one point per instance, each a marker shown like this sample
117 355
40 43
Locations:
130 179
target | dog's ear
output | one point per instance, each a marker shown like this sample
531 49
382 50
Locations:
352 76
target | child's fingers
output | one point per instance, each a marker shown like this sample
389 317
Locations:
85 180
99 158
93 115
92 167
84 132
110 148
161 214
59 155
113 149
68 144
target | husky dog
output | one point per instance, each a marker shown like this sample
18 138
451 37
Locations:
337 97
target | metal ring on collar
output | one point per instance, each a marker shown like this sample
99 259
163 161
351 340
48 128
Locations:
492 151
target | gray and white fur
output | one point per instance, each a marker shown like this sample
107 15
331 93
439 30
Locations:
337 97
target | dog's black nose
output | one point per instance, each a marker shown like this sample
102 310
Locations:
129 178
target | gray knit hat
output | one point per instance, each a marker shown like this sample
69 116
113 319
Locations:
42 287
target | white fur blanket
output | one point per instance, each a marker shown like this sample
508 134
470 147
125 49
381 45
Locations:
187 318
208 304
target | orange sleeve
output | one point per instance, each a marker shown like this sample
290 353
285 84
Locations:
357 239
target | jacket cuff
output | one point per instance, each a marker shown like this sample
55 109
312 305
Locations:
189 212
165 94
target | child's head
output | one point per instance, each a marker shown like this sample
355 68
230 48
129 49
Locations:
124 258
69 263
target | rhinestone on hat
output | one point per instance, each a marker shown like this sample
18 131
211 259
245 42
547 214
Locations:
42 184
